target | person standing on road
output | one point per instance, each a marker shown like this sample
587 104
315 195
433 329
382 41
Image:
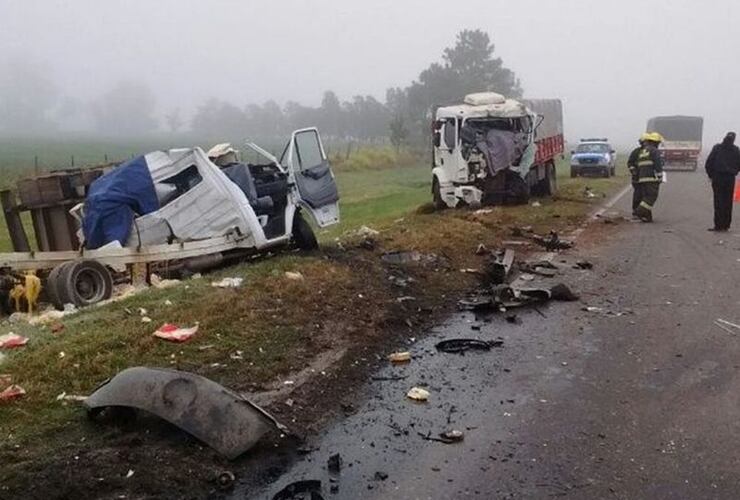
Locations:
722 165
632 165
646 167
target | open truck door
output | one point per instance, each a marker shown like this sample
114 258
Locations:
304 156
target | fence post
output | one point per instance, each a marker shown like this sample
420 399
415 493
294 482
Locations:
72 157
36 165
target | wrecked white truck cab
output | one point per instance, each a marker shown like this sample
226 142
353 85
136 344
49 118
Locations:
177 212
494 150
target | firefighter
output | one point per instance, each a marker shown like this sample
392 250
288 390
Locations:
723 164
648 174
632 165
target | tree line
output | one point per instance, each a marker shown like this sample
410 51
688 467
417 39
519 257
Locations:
30 103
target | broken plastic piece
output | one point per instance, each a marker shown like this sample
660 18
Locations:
293 276
453 436
418 394
13 392
174 333
11 341
462 345
224 420
228 283
400 357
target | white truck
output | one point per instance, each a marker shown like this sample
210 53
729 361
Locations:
494 150
168 211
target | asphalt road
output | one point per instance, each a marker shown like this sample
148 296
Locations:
638 398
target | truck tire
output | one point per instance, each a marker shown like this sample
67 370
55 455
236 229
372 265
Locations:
439 203
51 286
550 182
303 235
83 283
517 189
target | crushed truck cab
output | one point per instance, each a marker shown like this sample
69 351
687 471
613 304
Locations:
494 150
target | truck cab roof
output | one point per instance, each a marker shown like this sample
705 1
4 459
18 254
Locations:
484 105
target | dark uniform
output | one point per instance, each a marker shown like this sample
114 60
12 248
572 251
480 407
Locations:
646 167
722 165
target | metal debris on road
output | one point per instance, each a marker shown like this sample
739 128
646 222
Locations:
456 346
583 265
562 293
301 490
334 464
731 328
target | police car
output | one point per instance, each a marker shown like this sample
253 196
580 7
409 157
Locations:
593 157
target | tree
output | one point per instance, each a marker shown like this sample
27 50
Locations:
468 66
174 120
125 110
398 132
330 115
220 120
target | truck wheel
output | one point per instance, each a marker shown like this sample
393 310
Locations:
573 172
550 181
83 283
51 286
303 236
439 203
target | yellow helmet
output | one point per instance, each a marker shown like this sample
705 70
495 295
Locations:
645 136
654 137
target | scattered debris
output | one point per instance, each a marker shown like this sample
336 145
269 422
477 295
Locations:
515 243
57 327
294 276
160 283
453 436
536 204
400 357
146 319
225 480
483 211
130 474
334 464
481 250
226 421
456 346
228 283
381 476
583 264
174 333
551 242
593 309
498 267
13 392
513 319
301 490
71 398
12 341
418 394
526 277
562 293
366 232
400 257
389 379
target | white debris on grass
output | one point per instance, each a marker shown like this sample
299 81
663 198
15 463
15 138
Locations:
228 283
293 276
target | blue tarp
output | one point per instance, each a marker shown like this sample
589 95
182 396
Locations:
114 200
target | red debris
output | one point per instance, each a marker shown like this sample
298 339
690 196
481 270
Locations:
11 341
13 392
174 333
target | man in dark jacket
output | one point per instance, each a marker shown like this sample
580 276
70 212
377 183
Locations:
722 165
646 167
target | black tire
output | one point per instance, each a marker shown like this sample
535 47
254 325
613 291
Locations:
573 172
83 283
517 189
303 236
439 203
52 285
550 182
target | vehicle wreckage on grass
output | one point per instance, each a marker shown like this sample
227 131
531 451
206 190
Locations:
169 211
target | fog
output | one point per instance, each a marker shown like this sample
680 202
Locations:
614 64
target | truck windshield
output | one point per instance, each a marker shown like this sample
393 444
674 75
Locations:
592 148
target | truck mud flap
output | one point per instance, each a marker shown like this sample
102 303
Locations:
224 420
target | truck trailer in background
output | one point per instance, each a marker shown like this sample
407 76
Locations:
682 140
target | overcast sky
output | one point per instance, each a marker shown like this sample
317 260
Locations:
614 63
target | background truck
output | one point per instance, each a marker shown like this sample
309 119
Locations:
682 140
494 150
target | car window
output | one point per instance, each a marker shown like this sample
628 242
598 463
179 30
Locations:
449 134
308 150
593 148
171 188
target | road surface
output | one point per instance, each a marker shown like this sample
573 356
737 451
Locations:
638 398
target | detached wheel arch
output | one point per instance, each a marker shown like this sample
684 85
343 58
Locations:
303 235
82 283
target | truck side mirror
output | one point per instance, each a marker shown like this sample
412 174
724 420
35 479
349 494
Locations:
436 138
